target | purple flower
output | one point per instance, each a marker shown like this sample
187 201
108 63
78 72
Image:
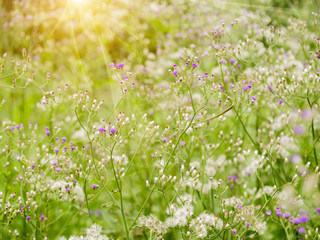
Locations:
247 224
182 143
231 61
268 213
48 133
304 219
120 65
234 231
175 65
299 130
245 88
222 61
280 101
253 99
296 221
56 150
194 65
232 177
111 65
28 218
68 190
175 73
113 130
42 216
239 66
164 139
102 130
286 214
94 186
301 230
318 210
279 214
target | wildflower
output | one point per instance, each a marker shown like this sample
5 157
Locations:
280 101
304 219
102 130
194 65
175 73
28 218
231 61
296 221
318 210
94 186
253 99
111 65
120 65
234 231
113 130
286 214
301 230
182 143
268 213
42 216
299 130
164 139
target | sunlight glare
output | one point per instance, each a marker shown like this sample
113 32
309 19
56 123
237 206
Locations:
79 2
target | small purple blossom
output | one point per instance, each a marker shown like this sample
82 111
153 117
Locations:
253 98
182 143
175 73
296 221
286 214
318 210
280 101
111 65
304 219
245 88
234 231
42 216
164 139
120 65
102 130
247 224
113 130
301 230
28 218
299 129
268 213
194 65
279 214
94 186
56 150
231 61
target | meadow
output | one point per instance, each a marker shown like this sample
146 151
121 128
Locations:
159 119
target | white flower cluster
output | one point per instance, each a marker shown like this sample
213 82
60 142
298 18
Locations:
154 224
93 233
180 216
205 222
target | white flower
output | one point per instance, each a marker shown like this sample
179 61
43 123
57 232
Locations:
94 230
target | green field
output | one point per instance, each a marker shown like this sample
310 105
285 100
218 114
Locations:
141 119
